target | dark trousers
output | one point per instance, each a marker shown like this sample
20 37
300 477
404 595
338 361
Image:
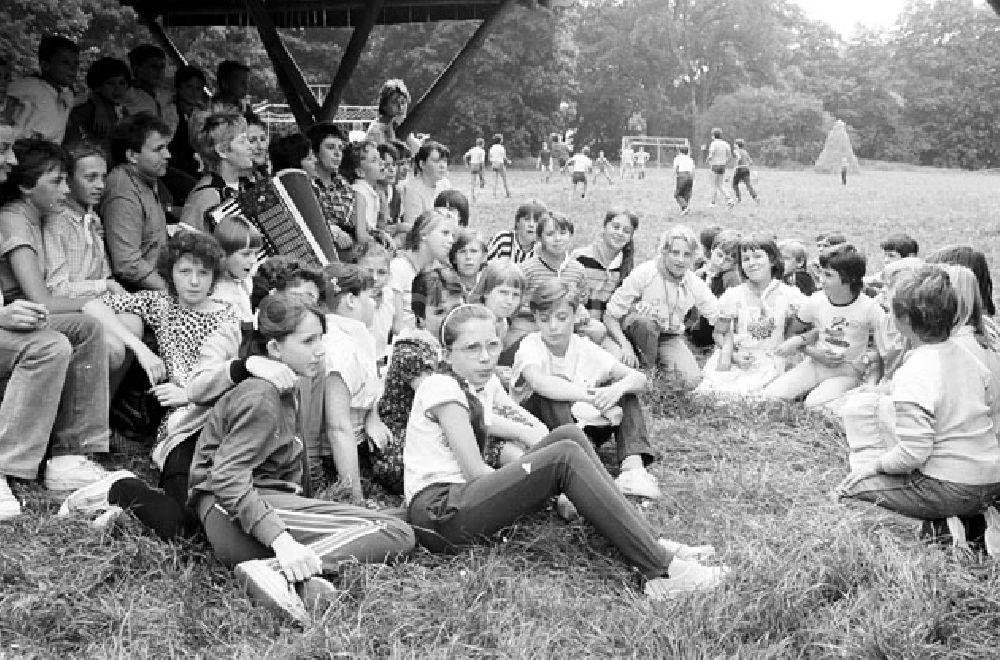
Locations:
631 437
742 175
685 186
163 511
339 533
446 515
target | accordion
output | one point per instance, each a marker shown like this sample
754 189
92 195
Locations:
285 210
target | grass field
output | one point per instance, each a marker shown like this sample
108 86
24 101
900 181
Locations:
811 578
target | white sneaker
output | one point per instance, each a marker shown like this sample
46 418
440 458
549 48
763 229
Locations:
566 509
104 520
688 576
687 552
10 507
265 585
72 472
638 482
93 499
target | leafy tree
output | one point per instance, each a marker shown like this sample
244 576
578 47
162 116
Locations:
762 114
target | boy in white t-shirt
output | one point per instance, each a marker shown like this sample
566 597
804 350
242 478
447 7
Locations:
843 320
580 164
563 378
641 158
475 158
628 162
684 174
499 163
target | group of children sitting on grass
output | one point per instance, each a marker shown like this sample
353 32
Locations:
473 379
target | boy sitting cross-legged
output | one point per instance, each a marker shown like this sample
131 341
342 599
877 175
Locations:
563 378
843 320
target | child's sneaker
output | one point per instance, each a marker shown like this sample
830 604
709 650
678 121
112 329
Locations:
10 506
566 509
265 585
93 499
687 552
685 577
72 472
638 482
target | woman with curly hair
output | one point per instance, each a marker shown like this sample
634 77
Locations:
182 318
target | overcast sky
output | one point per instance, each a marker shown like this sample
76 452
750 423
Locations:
844 15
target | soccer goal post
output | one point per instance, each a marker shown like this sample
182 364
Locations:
658 143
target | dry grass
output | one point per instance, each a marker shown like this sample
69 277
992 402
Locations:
811 578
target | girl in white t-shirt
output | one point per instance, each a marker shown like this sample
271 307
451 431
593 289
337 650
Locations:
242 243
454 497
751 323
427 243
352 384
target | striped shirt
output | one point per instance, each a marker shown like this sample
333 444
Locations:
601 280
537 272
504 245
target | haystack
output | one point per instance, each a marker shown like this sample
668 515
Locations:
836 149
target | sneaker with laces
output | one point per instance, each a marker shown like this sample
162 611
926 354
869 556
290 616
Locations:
93 498
638 482
266 586
72 472
686 577
10 506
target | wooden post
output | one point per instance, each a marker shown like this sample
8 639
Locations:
447 77
350 59
162 38
300 98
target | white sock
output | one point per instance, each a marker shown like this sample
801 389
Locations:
633 462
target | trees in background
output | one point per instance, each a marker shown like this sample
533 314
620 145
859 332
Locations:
924 91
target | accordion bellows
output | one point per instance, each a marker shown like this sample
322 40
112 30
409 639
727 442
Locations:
285 210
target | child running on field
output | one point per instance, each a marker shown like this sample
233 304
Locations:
742 172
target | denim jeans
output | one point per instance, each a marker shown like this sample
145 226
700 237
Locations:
916 495
33 366
448 515
631 436
81 425
653 346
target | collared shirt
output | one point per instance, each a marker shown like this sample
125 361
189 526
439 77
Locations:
160 105
646 283
20 226
45 108
337 201
135 223
76 264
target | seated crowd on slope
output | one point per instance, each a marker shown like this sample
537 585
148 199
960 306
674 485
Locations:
472 377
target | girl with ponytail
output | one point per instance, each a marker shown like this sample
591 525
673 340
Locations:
455 498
